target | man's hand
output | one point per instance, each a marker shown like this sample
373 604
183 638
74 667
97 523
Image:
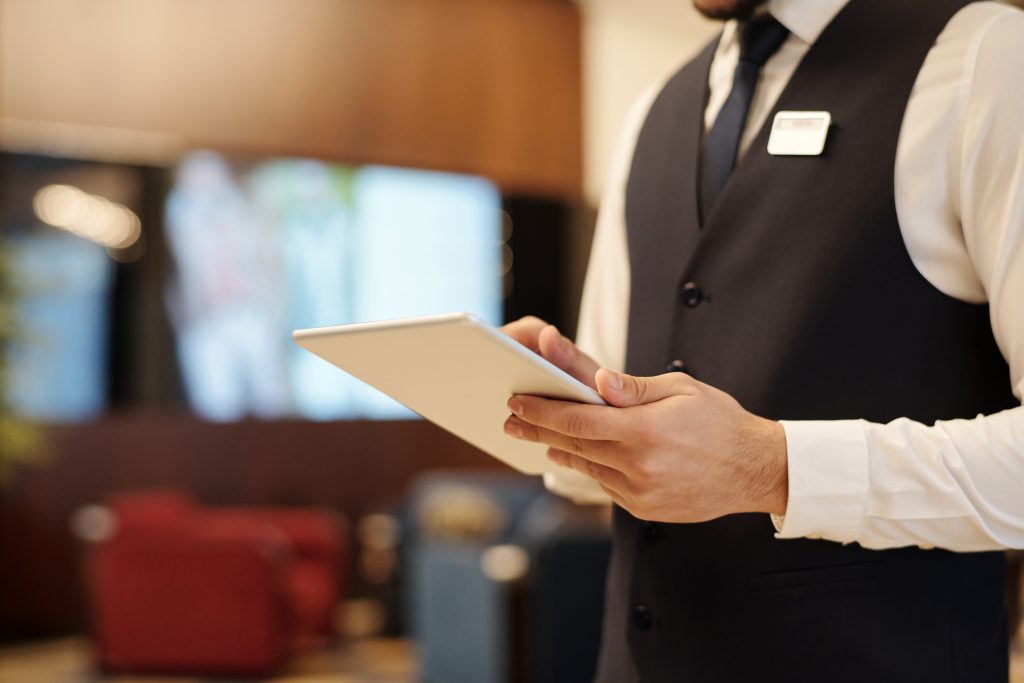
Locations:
546 341
666 448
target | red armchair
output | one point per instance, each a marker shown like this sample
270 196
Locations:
233 591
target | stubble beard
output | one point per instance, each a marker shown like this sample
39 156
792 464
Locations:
728 9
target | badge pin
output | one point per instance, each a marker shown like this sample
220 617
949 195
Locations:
799 133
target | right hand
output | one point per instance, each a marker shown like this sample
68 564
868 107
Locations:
546 341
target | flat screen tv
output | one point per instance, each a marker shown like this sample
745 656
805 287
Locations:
263 248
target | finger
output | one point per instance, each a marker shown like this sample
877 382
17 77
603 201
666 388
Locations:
579 420
609 478
526 331
622 390
562 353
546 341
588 448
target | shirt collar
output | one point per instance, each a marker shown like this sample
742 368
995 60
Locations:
805 19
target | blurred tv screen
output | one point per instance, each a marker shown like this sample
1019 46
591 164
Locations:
263 248
56 362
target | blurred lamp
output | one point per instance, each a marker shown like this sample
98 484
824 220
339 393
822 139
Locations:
504 563
87 215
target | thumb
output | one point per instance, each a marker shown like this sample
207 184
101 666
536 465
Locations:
622 390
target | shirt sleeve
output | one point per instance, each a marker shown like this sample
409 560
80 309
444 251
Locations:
604 310
957 484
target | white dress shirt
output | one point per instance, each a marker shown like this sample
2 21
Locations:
959 187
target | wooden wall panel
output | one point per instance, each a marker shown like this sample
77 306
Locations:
490 87
353 467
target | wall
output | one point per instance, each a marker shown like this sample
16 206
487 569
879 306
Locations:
627 46
483 87
42 590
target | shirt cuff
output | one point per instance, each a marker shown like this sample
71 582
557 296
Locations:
576 486
828 480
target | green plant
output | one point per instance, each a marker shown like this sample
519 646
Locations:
20 441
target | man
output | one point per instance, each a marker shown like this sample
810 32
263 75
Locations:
844 325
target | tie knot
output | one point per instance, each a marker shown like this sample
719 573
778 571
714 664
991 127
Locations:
760 38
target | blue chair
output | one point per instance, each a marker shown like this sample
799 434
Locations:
504 581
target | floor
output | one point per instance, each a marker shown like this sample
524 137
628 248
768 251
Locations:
366 661
70 661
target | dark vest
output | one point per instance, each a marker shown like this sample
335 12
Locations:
809 308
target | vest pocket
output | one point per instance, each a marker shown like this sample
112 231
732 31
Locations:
812 576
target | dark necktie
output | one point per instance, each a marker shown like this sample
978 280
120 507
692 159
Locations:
759 39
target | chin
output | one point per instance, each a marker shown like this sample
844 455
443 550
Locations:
727 9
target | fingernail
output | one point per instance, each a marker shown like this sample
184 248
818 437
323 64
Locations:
555 457
614 381
516 406
512 429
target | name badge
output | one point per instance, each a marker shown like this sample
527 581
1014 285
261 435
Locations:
799 133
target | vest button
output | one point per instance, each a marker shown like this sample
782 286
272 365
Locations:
642 617
679 366
650 532
691 294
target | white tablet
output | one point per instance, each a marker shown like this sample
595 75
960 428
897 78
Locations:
456 371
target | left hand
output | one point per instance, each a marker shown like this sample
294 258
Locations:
666 448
